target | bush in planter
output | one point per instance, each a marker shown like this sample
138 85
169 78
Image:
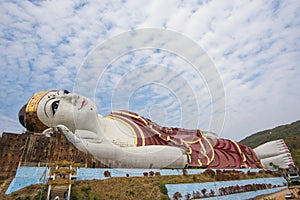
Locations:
107 173
188 196
203 191
157 173
211 193
196 195
209 172
151 173
177 195
145 173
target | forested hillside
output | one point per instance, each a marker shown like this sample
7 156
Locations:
290 133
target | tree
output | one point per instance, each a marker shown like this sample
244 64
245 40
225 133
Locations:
212 193
177 195
188 196
203 191
107 173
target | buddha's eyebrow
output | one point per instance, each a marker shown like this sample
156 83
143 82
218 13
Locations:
45 106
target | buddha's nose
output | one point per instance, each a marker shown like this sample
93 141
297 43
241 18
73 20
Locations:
72 98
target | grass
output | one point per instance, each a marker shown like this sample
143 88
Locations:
32 192
151 187
139 187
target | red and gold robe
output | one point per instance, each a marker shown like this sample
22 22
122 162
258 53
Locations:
201 151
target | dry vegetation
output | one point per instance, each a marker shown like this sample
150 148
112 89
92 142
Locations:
149 187
32 192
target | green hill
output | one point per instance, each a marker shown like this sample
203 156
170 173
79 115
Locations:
290 133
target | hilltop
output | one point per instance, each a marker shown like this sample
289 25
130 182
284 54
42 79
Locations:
147 187
289 132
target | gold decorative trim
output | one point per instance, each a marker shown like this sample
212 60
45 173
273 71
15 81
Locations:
31 112
240 151
130 115
199 162
123 121
212 150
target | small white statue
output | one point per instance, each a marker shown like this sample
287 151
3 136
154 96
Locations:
137 142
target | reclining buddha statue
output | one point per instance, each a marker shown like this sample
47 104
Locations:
138 142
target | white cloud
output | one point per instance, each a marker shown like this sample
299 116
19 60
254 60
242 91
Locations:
9 125
254 45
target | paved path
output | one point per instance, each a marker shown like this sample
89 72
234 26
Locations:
278 195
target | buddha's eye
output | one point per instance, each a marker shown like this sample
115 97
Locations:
54 106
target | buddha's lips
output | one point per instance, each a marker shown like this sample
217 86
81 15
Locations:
84 103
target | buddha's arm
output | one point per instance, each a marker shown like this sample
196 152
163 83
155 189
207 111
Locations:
139 157
155 156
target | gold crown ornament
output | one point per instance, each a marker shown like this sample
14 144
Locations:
31 112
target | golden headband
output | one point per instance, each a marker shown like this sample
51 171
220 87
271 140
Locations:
31 112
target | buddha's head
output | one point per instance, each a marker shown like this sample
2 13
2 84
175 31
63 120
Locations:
51 108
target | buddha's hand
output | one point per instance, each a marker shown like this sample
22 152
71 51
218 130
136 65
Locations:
78 142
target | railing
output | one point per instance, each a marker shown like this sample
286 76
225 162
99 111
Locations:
46 164
64 170
64 162
62 173
60 182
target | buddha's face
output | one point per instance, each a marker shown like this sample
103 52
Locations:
64 108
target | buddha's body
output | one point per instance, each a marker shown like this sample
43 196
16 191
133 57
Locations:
132 140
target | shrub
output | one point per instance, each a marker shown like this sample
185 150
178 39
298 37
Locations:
209 172
86 190
107 173
196 195
163 189
130 192
203 191
222 191
212 193
145 173
151 173
74 195
251 173
220 177
14 194
164 197
38 196
188 196
157 173
177 195
194 178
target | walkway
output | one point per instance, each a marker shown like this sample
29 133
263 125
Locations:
61 177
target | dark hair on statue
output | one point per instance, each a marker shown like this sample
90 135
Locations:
22 119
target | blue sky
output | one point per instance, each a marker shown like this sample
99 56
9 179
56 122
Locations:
251 47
